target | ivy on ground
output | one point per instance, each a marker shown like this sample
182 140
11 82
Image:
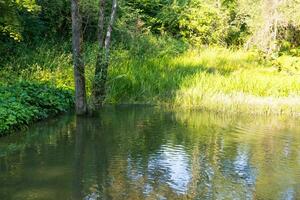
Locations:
25 102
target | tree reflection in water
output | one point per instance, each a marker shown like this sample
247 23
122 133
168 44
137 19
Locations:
146 153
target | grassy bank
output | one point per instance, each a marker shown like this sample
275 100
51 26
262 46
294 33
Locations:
164 72
215 79
23 103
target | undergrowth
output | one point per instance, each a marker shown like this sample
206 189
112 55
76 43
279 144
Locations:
164 71
25 102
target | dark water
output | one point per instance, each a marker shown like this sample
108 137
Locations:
147 153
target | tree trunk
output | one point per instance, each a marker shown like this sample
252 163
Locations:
103 55
100 78
97 90
79 76
101 22
110 26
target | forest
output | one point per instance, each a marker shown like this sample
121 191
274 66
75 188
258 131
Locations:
233 56
150 99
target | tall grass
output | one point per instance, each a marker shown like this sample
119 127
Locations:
213 78
161 71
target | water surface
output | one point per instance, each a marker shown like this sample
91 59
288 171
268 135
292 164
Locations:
143 152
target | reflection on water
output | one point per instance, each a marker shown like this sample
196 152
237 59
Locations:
148 153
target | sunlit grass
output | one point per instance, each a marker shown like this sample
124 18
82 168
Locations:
215 78
159 73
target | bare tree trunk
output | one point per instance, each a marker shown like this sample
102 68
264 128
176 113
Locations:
110 26
103 55
79 76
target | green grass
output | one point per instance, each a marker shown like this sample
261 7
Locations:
162 72
214 78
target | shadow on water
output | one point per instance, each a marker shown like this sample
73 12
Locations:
140 152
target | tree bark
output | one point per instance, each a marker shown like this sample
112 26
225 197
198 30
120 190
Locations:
97 91
110 26
79 74
103 55
101 22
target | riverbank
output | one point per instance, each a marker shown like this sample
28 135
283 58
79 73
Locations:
215 79
166 72
25 102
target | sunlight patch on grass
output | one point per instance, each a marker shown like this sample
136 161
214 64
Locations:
213 78
239 102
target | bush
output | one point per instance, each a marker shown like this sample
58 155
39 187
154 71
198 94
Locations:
203 23
25 102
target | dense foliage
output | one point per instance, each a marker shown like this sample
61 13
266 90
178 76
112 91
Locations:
270 25
25 102
161 52
160 70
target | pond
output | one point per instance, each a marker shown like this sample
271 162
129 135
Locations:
140 152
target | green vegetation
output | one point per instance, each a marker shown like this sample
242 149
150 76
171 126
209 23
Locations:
215 78
215 55
156 71
25 102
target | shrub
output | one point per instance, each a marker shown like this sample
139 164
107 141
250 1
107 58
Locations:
25 102
203 23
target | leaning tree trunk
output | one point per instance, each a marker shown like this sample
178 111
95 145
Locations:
103 54
79 76
97 91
